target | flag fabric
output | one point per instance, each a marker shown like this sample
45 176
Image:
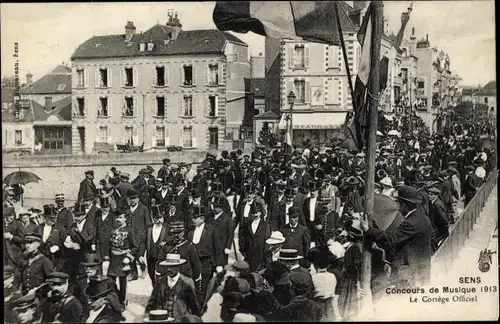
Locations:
306 20
360 123
405 16
288 139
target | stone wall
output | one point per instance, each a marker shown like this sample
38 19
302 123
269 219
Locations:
63 173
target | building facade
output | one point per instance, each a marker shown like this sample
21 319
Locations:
160 88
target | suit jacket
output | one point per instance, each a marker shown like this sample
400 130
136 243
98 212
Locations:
164 201
185 301
123 187
87 189
161 238
13 248
31 275
182 206
414 233
307 212
225 207
104 228
71 310
224 227
302 309
163 172
65 218
175 177
438 217
298 239
139 220
276 212
55 238
253 245
143 188
209 247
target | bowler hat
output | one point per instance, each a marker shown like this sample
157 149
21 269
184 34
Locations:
166 161
91 259
256 208
352 181
156 211
97 287
293 212
409 194
277 273
132 193
196 193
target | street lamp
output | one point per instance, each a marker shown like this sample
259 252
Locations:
291 100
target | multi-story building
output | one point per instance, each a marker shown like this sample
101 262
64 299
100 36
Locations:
317 76
162 87
487 96
409 73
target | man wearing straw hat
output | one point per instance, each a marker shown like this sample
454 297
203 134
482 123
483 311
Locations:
65 217
173 294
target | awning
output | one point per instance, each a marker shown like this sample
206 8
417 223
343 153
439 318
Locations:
326 120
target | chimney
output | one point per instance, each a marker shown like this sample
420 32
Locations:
129 31
48 103
29 78
427 37
413 31
174 24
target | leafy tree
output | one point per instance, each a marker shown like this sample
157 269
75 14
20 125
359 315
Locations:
266 136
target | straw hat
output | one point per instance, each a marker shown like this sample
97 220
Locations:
275 238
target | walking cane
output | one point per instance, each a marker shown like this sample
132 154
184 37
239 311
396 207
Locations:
235 252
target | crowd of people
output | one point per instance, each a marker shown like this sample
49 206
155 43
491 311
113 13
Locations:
266 236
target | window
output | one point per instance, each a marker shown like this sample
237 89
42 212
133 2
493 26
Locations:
80 106
213 106
160 76
160 106
299 57
103 107
48 102
404 74
18 137
61 87
300 90
420 84
160 136
129 107
129 135
80 81
188 106
188 137
486 100
103 134
103 78
213 74
129 77
188 75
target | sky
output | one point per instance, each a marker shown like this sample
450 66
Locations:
48 33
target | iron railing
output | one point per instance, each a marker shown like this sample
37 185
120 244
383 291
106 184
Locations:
443 259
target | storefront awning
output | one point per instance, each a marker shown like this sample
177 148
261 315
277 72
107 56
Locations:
326 120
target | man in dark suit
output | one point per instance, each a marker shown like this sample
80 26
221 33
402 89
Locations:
124 184
252 238
243 210
216 193
414 233
173 293
296 236
139 220
224 226
64 216
87 186
210 250
141 185
70 308
104 224
165 169
51 237
13 238
437 215
276 208
175 175
310 205
471 184
182 201
156 238
162 195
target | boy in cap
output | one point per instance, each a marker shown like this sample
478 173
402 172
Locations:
25 310
36 268
87 186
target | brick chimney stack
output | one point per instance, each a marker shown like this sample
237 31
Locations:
29 79
129 31
174 24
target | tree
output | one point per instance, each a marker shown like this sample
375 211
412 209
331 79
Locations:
266 136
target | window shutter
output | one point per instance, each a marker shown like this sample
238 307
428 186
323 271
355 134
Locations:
96 77
194 74
289 87
154 78
74 78
181 106
193 132
306 56
26 135
219 72
330 93
110 139
110 84
154 106
194 104
216 106
307 94
86 108
136 77
167 75
86 78
166 106
167 136
206 105
181 75
335 92
136 108
207 74
135 136
123 76
110 107
291 56
153 139
123 106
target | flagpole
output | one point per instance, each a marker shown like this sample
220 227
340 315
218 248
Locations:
373 94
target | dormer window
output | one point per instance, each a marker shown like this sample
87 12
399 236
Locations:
166 41
61 87
142 47
151 46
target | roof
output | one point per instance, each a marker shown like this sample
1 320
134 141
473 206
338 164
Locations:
58 81
490 89
33 111
267 115
257 86
203 41
346 14
8 94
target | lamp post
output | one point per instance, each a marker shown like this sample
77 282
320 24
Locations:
291 100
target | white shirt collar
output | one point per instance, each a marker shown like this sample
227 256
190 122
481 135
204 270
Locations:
133 209
218 215
81 224
295 266
173 281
